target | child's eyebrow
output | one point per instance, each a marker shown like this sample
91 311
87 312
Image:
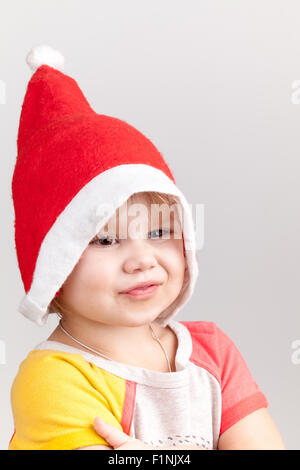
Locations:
158 223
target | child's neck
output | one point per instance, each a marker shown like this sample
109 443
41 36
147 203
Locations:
144 352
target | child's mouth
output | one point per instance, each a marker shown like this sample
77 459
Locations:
143 291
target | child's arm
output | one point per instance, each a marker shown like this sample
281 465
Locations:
257 431
119 440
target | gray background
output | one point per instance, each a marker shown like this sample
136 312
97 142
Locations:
210 83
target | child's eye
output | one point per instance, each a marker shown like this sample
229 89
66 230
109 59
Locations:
106 240
103 239
160 230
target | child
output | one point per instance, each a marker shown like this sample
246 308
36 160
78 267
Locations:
83 250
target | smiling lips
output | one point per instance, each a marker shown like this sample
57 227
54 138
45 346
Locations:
142 289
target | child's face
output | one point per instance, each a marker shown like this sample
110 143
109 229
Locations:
114 264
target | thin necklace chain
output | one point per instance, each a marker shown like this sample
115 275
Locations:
97 352
157 339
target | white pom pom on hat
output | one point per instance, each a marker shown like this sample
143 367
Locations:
45 55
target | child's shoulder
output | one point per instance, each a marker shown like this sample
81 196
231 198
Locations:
47 368
56 395
212 348
205 331
200 327
48 359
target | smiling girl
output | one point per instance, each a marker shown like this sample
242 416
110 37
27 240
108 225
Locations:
116 278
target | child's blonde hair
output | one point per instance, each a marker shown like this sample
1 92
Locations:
152 197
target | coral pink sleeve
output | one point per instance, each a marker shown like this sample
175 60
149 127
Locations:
240 393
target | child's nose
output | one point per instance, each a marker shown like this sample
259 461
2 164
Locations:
140 256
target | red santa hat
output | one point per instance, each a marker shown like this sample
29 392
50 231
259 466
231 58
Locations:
72 160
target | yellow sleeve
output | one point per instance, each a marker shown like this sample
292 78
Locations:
55 398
